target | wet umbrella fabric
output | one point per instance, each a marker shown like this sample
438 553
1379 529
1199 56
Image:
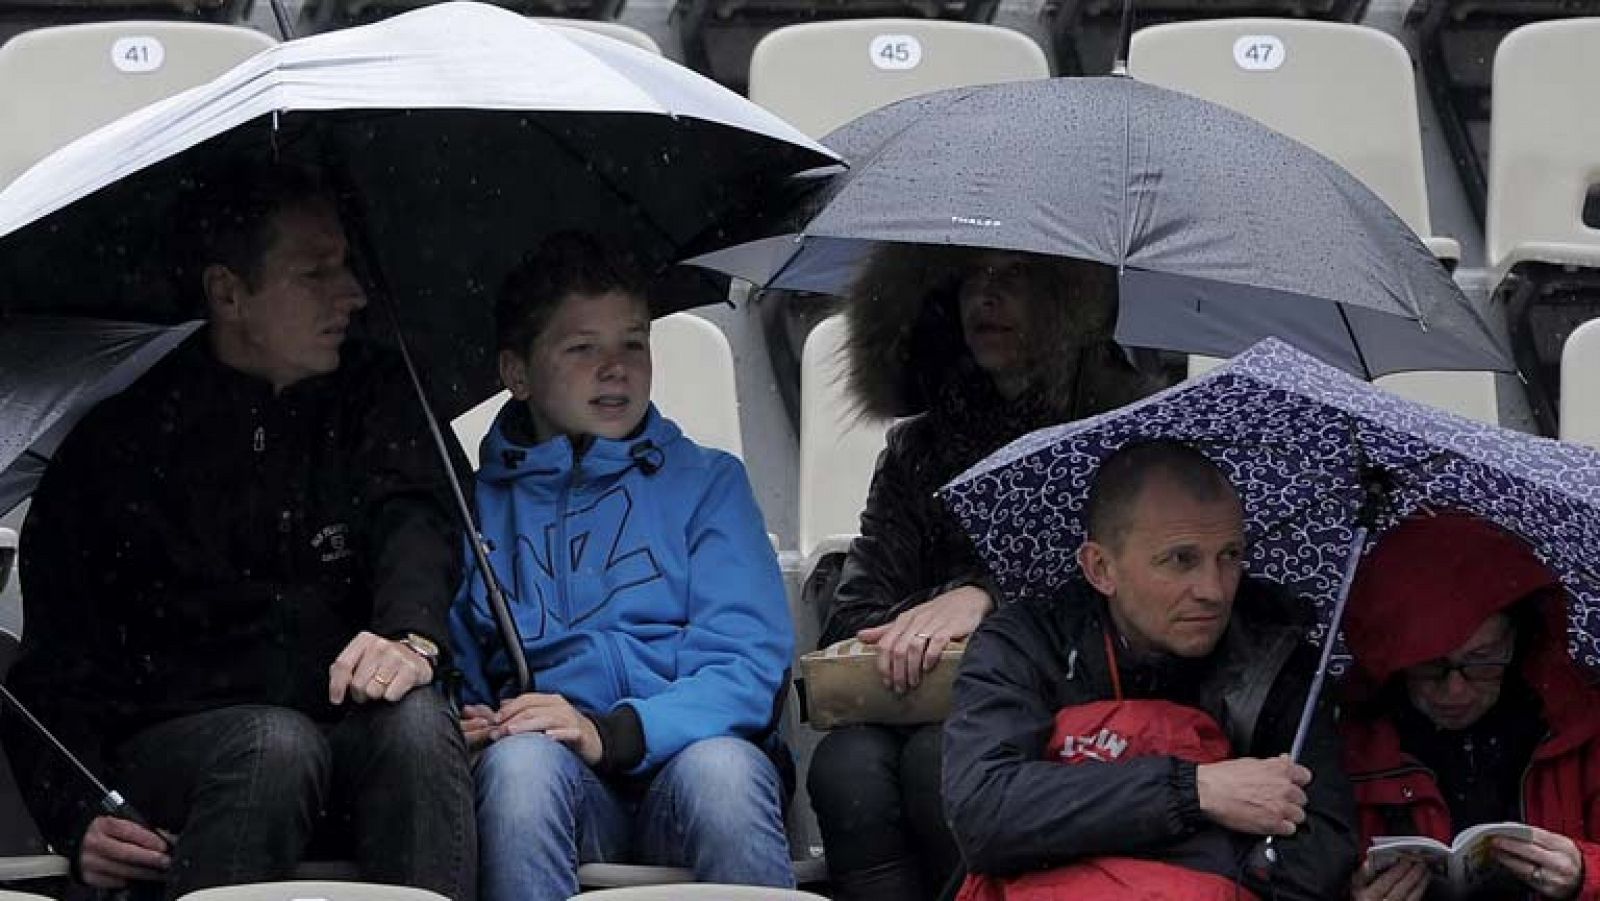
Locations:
456 135
461 133
1224 231
1299 439
56 369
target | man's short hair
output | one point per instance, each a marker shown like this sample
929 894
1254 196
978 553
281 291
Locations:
565 263
1108 513
225 217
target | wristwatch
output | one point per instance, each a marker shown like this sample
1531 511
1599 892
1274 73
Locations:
423 646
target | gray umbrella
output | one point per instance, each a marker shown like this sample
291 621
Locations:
1224 231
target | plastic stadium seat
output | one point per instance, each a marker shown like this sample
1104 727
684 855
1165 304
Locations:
1344 90
821 75
1456 43
693 385
100 71
1580 373
322 15
43 13
702 892
1469 394
1085 32
313 891
1542 178
694 380
611 30
718 35
838 449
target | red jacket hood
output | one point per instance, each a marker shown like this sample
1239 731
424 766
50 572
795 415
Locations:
1427 586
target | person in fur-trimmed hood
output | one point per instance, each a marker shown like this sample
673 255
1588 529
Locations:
977 347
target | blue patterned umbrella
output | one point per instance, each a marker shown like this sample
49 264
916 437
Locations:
1297 436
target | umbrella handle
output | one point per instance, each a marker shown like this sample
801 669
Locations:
111 801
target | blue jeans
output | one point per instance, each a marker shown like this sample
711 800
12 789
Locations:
716 808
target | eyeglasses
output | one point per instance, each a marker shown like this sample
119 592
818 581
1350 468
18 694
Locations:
1438 671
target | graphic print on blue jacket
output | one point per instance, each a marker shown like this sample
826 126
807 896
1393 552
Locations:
643 577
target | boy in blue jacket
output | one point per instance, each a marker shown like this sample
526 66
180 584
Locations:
649 603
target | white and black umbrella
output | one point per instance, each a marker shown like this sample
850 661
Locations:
457 136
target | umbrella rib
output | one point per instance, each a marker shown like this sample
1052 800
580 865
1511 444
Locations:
1355 344
1127 166
609 185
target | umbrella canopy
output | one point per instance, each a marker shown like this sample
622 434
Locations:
56 369
457 136
1224 231
1300 440
462 132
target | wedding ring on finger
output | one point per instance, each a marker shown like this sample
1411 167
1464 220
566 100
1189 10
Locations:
1538 875
922 635
381 679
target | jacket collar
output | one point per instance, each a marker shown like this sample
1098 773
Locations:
507 459
1264 630
194 364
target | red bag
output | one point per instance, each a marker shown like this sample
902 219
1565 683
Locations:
1106 731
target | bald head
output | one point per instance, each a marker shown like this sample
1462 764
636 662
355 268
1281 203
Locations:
1121 479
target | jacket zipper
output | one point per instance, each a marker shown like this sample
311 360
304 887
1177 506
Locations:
1522 783
562 554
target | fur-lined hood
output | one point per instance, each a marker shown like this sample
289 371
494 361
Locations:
905 337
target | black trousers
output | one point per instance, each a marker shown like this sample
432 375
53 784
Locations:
248 788
876 793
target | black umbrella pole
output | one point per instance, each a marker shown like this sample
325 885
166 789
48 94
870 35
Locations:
282 16
110 801
491 585
355 222
1124 39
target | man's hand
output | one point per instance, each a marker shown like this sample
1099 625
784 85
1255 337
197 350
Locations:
1254 796
1548 862
371 668
115 852
910 645
555 717
477 721
1405 881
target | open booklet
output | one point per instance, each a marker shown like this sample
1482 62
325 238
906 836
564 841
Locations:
1465 864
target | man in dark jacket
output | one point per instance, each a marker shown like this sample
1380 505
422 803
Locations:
236 576
1163 627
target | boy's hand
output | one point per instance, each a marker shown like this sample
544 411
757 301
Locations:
477 721
553 716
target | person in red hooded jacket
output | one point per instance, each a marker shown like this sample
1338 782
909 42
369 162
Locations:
1464 708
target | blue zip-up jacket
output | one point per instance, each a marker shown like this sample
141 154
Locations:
667 598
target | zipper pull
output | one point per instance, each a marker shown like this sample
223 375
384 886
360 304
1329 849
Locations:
260 441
